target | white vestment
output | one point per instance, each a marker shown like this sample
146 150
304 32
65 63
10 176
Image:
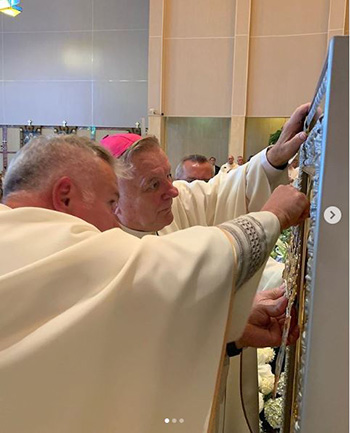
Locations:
226 196
79 310
229 195
225 168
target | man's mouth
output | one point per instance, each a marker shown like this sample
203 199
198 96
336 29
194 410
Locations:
167 209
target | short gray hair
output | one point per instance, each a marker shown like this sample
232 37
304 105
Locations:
40 162
200 159
146 143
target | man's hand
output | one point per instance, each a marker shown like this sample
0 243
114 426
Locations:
290 139
289 205
265 323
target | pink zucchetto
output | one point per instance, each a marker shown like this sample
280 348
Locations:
118 143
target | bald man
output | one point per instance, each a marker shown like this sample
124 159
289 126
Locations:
229 165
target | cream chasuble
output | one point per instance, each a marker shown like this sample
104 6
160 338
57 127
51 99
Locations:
104 332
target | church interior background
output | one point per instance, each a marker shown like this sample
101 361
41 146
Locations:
205 77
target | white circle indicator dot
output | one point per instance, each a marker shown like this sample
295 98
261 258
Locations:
174 420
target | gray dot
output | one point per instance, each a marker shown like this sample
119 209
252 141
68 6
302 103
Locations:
174 420
181 420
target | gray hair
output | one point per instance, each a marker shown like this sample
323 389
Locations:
43 160
149 142
200 159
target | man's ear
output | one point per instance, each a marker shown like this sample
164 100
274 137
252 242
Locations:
62 192
117 210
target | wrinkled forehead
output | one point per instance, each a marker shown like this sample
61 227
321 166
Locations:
149 161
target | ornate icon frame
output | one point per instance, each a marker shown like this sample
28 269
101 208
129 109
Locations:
306 407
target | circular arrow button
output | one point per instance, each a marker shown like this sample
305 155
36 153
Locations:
332 215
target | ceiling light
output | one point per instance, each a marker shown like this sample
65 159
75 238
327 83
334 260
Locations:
10 7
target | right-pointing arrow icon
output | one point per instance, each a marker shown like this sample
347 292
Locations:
332 215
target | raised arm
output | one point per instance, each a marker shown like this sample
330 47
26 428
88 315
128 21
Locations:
242 190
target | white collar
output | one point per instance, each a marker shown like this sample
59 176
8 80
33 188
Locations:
136 233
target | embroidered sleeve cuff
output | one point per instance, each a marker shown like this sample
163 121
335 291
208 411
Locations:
253 237
249 236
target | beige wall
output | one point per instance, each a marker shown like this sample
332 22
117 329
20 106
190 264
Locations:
191 55
346 32
236 59
288 44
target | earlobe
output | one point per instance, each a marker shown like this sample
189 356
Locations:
62 194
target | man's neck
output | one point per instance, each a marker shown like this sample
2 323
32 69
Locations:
26 199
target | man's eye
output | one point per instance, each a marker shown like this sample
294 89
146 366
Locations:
154 185
170 177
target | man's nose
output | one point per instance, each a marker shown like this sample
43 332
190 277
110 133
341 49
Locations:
171 191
